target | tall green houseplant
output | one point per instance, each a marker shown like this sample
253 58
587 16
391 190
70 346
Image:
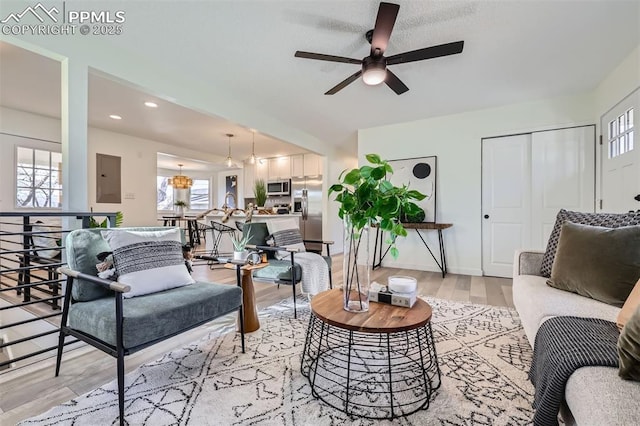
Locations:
366 198
260 192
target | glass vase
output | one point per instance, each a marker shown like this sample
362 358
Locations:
355 268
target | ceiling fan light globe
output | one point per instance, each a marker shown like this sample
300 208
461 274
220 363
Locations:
374 76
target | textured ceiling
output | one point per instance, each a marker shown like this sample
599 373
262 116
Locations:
515 51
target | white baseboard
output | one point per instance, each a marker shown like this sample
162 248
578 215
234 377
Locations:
422 267
433 268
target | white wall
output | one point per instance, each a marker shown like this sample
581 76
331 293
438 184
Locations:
623 80
138 156
332 228
102 56
39 132
138 175
456 141
139 171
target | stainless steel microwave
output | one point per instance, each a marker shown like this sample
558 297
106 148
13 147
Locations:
279 187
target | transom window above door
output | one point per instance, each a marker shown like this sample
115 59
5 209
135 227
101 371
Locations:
620 134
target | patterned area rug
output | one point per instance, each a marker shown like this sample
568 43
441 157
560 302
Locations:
482 350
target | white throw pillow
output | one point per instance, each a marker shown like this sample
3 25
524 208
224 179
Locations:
286 233
148 261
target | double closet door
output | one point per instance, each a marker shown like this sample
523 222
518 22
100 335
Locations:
526 180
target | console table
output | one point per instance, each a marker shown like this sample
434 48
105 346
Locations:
380 364
378 256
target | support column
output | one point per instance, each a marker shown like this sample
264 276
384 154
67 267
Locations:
74 124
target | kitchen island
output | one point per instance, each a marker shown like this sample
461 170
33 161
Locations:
225 243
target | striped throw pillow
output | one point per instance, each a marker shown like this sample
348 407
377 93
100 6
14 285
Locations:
285 233
148 261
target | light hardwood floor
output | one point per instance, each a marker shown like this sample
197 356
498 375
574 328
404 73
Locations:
33 389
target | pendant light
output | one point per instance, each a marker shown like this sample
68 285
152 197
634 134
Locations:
180 181
252 159
229 161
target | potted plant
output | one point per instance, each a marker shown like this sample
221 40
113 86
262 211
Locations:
260 192
367 198
240 245
93 223
180 205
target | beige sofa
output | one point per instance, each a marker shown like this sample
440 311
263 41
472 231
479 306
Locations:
594 395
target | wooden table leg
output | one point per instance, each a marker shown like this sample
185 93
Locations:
251 322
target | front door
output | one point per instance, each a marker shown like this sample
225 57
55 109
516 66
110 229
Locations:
620 156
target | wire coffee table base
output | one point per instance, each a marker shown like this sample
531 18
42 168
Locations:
371 375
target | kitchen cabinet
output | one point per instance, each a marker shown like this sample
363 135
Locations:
249 179
312 165
261 170
297 165
280 168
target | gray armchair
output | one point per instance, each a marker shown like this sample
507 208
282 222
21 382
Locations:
285 271
95 311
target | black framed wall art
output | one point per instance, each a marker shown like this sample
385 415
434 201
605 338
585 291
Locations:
419 174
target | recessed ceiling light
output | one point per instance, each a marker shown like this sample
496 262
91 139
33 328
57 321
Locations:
151 104
115 117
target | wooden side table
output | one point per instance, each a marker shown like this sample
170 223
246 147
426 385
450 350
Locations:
381 364
250 311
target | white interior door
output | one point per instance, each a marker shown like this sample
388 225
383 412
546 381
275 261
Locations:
620 156
562 177
506 201
526 179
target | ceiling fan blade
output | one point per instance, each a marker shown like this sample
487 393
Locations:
426 53
395 83
387 13
330 58
344 83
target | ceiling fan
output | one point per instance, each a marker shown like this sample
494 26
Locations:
374 67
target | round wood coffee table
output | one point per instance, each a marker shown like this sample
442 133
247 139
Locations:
380 365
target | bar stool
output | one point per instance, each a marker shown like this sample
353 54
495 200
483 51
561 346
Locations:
218 229
203 228
192 229
170 220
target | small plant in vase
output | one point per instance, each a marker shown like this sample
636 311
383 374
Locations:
180 205
240 245
367 198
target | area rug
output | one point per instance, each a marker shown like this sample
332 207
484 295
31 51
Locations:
483 354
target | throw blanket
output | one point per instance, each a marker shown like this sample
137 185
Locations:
564 344
315 272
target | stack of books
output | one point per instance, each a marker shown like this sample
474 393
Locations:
399 291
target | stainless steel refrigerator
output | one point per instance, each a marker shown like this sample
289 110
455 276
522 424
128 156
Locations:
306 194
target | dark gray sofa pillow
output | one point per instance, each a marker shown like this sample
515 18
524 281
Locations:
629 348
597 262
608 220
